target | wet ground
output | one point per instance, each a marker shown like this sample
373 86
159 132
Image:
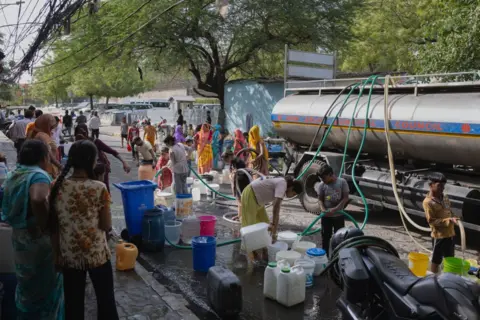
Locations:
173 267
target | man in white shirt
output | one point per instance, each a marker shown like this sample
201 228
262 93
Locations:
178 159
145 149
262 191
94 125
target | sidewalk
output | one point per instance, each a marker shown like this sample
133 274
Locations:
140 297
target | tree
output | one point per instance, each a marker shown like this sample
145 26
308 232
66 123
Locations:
47 86
385 36
418 36
194 38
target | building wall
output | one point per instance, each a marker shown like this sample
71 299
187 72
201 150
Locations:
251 97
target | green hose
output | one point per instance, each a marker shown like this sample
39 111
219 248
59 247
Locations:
221 244
307 231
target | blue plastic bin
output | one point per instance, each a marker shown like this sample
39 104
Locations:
137 196
204 249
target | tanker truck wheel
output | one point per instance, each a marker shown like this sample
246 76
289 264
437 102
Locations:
309 197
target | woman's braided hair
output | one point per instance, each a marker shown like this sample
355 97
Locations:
82 155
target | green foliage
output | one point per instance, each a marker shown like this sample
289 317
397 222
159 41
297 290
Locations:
193 38
418 36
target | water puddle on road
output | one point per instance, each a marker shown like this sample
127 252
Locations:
173 268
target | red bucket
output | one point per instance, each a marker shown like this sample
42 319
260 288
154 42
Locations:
207 225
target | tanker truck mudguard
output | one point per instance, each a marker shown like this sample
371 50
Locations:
434 127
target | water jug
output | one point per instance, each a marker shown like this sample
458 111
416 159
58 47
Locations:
184 205
126 255
255 236
224 292
146 172
190 229
270 278
291 286
153 230
196 194
189 184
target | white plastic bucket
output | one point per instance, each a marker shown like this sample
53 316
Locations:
196 194
308 266
210 193
288 237
289 256
172 231
274 248
303 246
164 198
319 256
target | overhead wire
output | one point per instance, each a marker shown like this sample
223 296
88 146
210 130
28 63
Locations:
16 28
113 45
105 33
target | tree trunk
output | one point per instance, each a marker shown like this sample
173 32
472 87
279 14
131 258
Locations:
56 101
222 116
106 101
91 101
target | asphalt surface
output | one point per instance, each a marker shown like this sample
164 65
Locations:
173 267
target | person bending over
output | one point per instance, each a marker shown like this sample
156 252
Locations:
333 196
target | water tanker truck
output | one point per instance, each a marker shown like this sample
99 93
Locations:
434 126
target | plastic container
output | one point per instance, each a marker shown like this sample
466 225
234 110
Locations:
291 286
308 266
289 256
289 237
211 194
418 263
197 184
255 237
319 256
173 230
456 265
126 256
196 194
189 184
184 205
270 278
214 175
146 172
168 213
302 246
153 230
164 198
226 175
207 225
204 250
190 228
274 248
137 196
224 292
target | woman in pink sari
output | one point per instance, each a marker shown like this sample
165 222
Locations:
204 149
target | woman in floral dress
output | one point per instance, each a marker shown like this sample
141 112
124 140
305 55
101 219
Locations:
81 207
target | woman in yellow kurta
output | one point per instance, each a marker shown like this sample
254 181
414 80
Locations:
150 134
204 149
259 159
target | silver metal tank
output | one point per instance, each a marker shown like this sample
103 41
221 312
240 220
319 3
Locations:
439 127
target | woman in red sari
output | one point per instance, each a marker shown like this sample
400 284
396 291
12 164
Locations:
239 144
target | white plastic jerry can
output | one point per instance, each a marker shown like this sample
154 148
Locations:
270 278
291 286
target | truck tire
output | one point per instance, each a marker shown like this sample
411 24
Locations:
309 197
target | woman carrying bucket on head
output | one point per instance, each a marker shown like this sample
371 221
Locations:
204 149
258 159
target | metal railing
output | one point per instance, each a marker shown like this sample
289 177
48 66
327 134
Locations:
400 81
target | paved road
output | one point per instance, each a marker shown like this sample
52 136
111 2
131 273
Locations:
173 268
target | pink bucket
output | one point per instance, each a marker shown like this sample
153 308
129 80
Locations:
207 225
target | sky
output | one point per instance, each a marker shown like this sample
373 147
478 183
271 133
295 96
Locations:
8 20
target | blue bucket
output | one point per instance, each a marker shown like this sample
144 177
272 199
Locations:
137 196
204 249
153 230
168 213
